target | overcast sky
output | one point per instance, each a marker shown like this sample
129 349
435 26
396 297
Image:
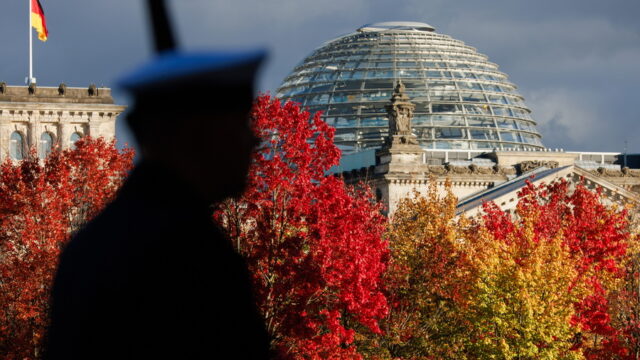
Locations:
577 62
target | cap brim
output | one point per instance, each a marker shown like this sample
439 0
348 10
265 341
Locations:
173 70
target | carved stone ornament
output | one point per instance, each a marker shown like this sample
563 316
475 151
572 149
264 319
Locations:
62 89
630 172
400 111
32 88
3 87
609 172
481 170
529 165
93 90
437 169
453 169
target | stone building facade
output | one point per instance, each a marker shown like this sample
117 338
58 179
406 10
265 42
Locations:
42 118
402 166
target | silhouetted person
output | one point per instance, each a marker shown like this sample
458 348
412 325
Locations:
152 276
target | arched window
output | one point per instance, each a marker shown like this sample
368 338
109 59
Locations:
74 137
46 145
17 148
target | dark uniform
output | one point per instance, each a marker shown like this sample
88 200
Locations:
152 277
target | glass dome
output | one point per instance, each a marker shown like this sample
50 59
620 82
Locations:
462 100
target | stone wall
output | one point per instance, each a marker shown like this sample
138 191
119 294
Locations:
60 112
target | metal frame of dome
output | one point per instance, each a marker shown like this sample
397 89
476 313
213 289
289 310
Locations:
462 100
397 25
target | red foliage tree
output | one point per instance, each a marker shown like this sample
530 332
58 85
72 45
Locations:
313 245
42 202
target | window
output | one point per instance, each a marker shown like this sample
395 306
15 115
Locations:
74 137
46 145
449 133
17 146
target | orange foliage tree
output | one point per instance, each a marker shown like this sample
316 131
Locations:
428 281
42 202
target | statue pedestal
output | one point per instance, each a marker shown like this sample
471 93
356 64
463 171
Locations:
401 154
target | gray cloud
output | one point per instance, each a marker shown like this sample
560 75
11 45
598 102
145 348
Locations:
575 60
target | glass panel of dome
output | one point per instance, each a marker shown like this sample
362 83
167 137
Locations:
507 136
450 108
477 109
421 120
491 87
326 76
469 85
521 114
349 85
376 96
423 133
449 133
502 111
318 99
444 96
346 122
515 101
473 97
434 74
485 77
507 124
530 139
372 135
374 121
378 84
483 134
480 121
380 74
407 64
484 145
497 99
436 86
371 109
338 98
344 136
341 110
413 84
298 100
447 120
410 73
526 126
459 145
330 120
321 87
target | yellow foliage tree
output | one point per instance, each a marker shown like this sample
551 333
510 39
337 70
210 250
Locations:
524 294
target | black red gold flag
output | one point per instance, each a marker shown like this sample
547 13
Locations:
38 20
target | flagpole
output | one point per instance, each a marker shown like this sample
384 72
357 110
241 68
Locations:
30 79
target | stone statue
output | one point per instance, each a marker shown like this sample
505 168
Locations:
400 111
93 90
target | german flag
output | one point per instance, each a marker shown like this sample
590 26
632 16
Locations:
38 21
